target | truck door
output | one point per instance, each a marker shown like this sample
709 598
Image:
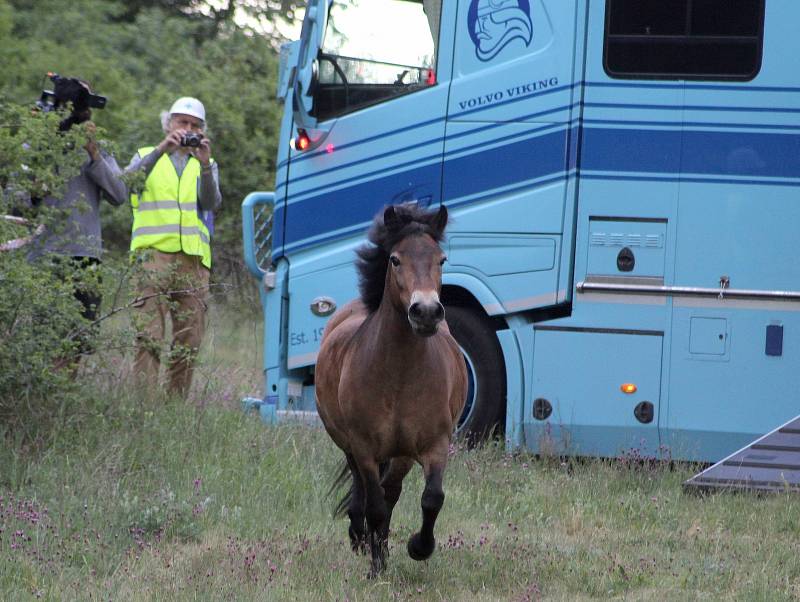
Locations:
375 95
372 109
507 171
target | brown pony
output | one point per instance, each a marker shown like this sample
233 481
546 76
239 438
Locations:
391 380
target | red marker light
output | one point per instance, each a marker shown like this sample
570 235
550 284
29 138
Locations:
329 148
302 142
431 79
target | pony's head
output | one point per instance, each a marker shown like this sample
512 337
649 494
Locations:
404 262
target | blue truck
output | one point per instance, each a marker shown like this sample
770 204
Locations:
624 182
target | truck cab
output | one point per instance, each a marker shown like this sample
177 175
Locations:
620 175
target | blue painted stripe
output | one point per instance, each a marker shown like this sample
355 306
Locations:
515 162
571 107
674 152
606 149
743 87
622 149
527 136
589 84
410 168
386 155
539 183
744 154
278 229
691 124
659 155
653 178
359 227
688 179
380 136
487 126
356 203
681 107
506 165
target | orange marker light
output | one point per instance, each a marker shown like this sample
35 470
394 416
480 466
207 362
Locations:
628 388
302 142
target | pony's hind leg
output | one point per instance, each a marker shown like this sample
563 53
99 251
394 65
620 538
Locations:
422 544
356 509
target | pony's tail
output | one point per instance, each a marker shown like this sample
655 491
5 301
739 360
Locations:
343 478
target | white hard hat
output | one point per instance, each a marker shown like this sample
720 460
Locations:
189 106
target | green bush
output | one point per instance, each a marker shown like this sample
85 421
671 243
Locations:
41 328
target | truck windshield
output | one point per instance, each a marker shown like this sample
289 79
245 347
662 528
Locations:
374 50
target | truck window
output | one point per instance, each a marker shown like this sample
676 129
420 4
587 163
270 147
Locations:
374 50
683 39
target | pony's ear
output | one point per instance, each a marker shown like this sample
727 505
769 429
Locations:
391 220
440 221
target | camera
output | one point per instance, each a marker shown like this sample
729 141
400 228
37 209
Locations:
191 139
69 90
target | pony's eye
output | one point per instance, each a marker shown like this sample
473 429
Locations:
395 261
441 262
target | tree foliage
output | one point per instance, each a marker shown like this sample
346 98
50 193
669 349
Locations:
143 55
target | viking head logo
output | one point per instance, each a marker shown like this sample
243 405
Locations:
494 24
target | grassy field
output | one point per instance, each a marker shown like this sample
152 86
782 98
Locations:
166 501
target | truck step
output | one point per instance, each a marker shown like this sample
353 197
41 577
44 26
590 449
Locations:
271 415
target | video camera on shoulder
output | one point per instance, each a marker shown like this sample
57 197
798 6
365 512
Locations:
69 90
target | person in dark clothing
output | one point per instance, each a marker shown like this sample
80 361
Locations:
72 241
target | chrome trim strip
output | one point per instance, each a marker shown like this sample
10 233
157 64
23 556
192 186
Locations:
687 291
640 280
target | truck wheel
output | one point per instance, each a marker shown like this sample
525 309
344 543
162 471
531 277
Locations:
485 408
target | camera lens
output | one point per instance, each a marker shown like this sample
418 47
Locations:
191 140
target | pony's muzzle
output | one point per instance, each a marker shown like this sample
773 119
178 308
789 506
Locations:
425 316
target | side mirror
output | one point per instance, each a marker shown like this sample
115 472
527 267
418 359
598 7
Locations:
286 67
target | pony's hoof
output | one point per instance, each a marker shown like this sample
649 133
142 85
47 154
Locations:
419 549
375 571
358 543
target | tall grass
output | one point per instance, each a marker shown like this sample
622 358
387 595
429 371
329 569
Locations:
164 500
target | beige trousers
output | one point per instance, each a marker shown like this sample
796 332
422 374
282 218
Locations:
177 284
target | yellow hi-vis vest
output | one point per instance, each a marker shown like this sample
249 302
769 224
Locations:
165 215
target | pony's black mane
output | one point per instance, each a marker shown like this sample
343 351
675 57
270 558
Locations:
373 257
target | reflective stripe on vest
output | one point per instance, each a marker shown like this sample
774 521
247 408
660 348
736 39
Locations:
165 214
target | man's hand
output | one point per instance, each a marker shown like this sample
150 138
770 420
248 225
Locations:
171 142
203 152
91 143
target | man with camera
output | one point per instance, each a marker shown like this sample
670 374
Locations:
71 240
171 237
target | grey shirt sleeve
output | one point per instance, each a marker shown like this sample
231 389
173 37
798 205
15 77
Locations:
208 194
106 174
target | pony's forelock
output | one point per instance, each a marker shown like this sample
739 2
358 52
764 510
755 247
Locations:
373 257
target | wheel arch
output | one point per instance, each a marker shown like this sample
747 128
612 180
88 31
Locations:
477 299
454 296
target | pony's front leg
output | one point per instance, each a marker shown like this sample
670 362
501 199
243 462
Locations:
392 483
422 544
377 515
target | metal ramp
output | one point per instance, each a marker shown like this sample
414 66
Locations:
770 463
